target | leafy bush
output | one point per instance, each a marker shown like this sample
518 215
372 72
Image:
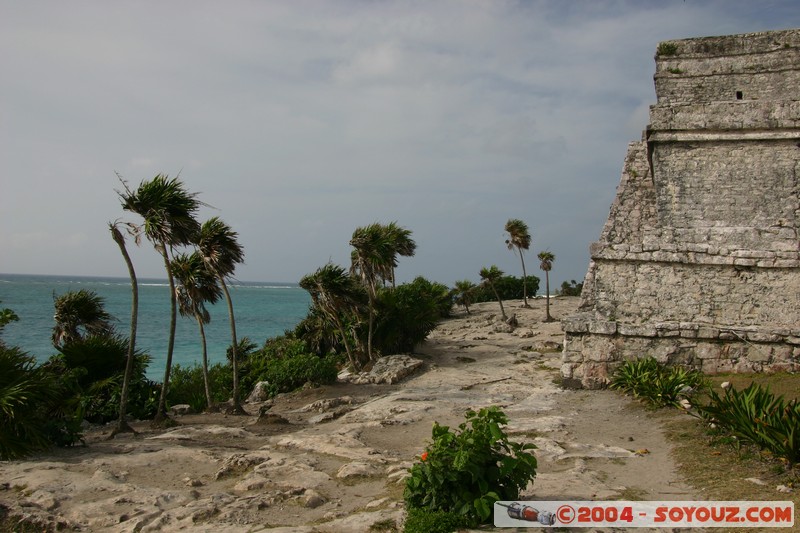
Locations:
408 313
756 415
466 471
571 288
657 384
25 391
285 362
508 288
186 385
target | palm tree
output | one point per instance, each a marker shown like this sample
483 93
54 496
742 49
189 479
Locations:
371 260
168 211
79 314
464 291
546 264
519 238
220 249
490 276
197 285
401 242
122 424
336 293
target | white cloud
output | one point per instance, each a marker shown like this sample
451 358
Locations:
301 120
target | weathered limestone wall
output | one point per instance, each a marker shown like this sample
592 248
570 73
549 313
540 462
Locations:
699 261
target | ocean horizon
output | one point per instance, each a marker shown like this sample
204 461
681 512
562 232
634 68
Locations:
263 310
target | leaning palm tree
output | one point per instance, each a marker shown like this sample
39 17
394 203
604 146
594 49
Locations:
219 247
464 292
546 258
371 260
168 211
401 243
79 314
336 294
197 286
490 276
122 424
519 238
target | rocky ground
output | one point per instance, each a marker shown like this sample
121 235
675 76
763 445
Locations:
333 459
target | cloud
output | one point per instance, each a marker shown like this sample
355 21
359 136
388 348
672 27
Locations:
299 121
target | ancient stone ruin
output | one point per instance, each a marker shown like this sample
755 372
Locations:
699 261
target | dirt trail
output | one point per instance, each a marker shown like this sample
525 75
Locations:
333 458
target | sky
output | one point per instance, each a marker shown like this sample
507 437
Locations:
299 121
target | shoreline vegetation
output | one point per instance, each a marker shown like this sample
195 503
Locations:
353 442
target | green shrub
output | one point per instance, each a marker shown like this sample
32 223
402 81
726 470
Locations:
508 288
657 384
285 362
667 49
186 385
427 521
756 415
25 390
466 471
408 313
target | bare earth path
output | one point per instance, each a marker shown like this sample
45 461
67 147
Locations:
338 460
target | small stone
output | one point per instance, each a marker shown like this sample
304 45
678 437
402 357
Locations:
313 499
784 489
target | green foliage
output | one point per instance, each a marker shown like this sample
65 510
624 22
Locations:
508 288
285 362
756 415
7 316
408 313
657 384
571 288
186 385
427 521
91 372
667 49
25 392
466 471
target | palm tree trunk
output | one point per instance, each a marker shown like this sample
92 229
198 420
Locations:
205 359
350 356
236 394
548 318
524 280
502 309
161 418
122 424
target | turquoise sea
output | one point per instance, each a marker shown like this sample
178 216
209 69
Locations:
262 310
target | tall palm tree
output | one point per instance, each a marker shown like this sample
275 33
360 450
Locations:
402 244
220 249
336 293
122 424
371 260
490 276
197 285
168 211
79 314
464 290
519 238
546 258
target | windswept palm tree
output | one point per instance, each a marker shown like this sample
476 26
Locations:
546 263
490 276
220 249
372 259
336 294
122 424
401 243
464 291
79 314
168 211
197 285
519 238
